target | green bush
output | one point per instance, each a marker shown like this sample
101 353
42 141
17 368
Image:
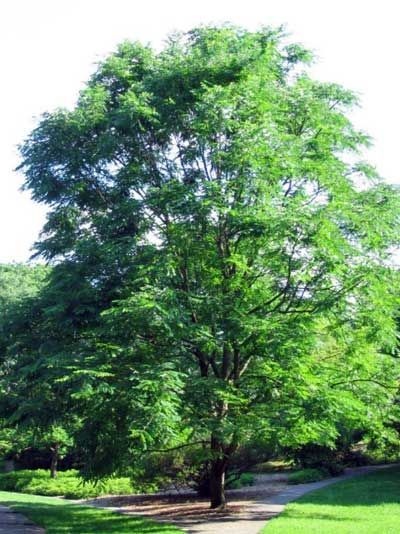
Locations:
335 469
307 475
245 479
273 466
68 484
314 456
356 458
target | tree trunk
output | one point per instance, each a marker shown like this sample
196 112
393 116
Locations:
54 460
219 464
217 484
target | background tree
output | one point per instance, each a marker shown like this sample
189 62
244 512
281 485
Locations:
353 362
33 405
210 197
17 282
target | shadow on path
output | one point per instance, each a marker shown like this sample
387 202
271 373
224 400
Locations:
12 522
73 519
260 510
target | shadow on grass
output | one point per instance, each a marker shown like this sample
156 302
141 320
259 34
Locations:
75 519
297 514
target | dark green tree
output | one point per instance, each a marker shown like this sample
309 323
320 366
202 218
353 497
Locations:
211 199
35 332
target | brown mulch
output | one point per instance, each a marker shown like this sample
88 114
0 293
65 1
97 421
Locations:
186 505
187 510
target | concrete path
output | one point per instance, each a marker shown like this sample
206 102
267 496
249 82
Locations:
262 502
257 513
14 523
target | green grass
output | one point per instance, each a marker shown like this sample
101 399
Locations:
59 516
363 505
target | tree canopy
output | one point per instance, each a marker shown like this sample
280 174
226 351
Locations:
209 223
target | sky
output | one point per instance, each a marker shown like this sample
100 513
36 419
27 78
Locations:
48 49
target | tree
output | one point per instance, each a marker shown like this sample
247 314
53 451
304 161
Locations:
353 362
211 197
31 399
17 283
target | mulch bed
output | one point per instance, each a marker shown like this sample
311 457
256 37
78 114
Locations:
184 505
184 510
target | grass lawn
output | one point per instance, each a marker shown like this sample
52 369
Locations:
364 505
59 516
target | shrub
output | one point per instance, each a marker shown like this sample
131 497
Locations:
314 456
356 458
335 469
245 479
273 466
68 484
307 475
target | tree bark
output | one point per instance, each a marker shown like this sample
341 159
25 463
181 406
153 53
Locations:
217 484
217 473
54 460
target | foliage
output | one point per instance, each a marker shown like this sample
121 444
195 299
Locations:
315 456
311 474
356 458
244 479
11 441
17 282
67 484
273 466
34 409
335 469
228 254
352 356
61 515
367 504
190 467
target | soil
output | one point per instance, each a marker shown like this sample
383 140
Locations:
184 506
247 511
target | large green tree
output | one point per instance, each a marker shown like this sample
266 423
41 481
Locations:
211 199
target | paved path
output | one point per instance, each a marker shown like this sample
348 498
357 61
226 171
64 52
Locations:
13 523
265 500
257 513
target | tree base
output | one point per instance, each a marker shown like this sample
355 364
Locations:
218 507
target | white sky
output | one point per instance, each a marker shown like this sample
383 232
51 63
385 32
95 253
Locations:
48 49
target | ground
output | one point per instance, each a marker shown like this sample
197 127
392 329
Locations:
367 505
62 516
350 504
247 511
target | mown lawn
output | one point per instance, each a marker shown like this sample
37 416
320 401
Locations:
60 516
364 505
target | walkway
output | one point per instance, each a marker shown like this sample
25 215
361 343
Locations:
248 509
257 513
14 523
